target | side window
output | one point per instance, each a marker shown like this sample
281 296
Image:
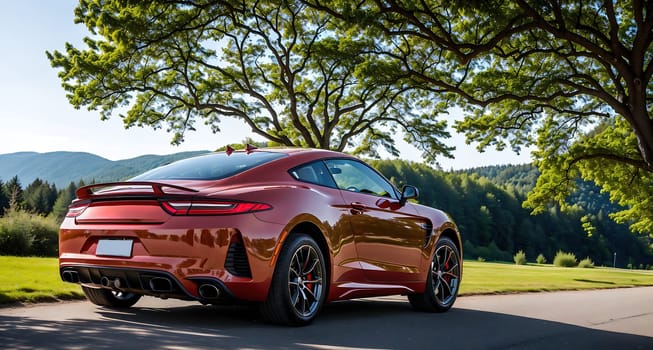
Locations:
315 173
355 176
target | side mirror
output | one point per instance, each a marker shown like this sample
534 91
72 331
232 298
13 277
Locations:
408 192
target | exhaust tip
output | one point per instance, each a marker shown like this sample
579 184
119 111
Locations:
114 284
160 284
70 276
105 282
209 291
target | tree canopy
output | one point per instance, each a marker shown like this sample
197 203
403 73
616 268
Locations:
294 75
571 78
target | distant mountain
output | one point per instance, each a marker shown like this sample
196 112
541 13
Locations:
61 168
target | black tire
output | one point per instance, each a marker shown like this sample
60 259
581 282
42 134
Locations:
442 281
106 297
299 283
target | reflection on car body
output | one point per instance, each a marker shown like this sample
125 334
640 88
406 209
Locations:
286 228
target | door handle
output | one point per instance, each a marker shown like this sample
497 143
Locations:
357 208
358 205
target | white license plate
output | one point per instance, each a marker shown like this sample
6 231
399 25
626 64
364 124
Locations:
114 247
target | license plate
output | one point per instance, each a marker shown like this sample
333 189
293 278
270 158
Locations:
114 247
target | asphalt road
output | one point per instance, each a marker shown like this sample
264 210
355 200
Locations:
606 319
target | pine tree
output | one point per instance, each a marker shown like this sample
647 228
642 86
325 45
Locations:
65 197
14 191
4 199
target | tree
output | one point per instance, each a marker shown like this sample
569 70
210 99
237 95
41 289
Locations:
4 199
572 78
65 197
39 196
294 75
14 191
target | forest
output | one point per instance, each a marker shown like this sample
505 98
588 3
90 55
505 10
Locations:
486 204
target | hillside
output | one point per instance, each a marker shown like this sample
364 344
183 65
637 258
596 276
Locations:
487 206
61 168
520 177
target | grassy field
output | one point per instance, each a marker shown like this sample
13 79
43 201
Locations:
33 280
490 278
37 279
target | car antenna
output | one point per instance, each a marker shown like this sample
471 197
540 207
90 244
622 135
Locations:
229 150
249 148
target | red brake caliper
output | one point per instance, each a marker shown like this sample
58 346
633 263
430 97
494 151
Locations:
309 285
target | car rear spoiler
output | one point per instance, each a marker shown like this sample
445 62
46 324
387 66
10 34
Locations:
156 188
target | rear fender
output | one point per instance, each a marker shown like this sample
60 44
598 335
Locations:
294 226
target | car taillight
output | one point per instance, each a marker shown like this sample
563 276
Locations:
212 207
76 208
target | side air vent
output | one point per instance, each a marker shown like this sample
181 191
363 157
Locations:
428 227
236 262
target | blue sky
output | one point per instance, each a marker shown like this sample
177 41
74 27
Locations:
36 116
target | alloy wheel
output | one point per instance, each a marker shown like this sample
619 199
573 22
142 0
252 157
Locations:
305 278
445 270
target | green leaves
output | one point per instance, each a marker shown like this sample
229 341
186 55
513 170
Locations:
572 78
606 155
295 75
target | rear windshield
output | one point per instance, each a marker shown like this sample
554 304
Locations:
213 166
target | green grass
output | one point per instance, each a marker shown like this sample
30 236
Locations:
37 279
33 280
490 278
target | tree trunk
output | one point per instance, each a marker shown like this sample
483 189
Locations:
643 128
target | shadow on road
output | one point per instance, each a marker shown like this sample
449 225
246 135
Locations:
351 324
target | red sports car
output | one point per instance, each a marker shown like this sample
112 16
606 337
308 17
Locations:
290 229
